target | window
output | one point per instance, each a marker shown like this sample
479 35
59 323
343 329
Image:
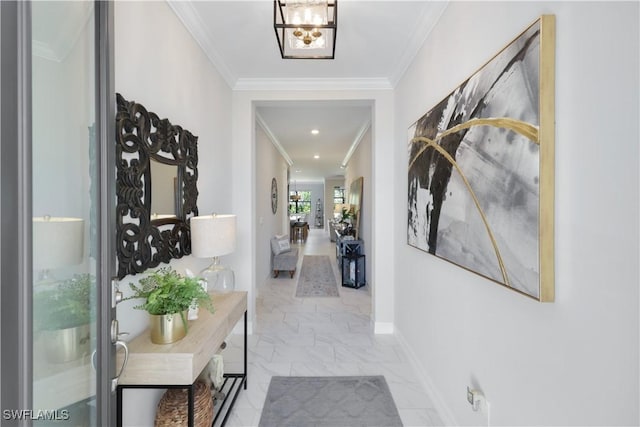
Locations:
338 196
299 202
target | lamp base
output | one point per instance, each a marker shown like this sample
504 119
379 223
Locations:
219 278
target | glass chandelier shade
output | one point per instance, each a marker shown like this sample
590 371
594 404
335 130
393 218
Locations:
306 29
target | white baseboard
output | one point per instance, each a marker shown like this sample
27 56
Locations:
425 379
383 328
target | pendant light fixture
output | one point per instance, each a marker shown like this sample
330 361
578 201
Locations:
295 197
306 29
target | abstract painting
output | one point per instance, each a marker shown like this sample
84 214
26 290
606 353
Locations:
481 169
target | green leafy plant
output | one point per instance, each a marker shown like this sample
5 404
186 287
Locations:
346 214
66 305
166 292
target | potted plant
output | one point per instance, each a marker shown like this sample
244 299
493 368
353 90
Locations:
167 297
63 314
345 227
345 215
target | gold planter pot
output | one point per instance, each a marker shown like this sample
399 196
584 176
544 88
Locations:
65 345
168 328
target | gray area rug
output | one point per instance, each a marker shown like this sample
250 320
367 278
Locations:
316 278
329 402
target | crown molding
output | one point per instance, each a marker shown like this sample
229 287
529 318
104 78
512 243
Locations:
428 20
59 45
187 14
295 84
189 17
273 139
44 50
365 127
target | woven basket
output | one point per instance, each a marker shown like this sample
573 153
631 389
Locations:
173 407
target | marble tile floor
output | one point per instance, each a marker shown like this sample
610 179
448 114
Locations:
320 337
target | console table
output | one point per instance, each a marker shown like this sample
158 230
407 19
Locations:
178 365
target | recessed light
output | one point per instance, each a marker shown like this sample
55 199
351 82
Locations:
314 131
316 156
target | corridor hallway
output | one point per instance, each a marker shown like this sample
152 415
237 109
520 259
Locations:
323 336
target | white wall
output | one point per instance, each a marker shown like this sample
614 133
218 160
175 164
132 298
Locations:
360 166
158 64
63 112
268 224
575 361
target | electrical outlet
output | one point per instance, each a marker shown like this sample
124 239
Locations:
475 398
469 396
479 404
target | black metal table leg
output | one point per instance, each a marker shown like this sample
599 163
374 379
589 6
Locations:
245 350
119 406
190 409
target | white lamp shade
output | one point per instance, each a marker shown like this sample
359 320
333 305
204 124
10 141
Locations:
57 242
213 235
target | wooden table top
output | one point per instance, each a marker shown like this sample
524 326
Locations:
181 362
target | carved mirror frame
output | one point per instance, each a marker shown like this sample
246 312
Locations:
142 137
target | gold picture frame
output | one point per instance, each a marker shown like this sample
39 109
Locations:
481 169
355 203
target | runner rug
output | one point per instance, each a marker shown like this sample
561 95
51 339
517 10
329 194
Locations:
316 278
329 402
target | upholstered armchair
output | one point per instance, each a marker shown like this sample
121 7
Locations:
283 256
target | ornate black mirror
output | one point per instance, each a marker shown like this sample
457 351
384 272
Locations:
156 188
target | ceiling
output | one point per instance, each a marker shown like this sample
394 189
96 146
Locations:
341 125
375 43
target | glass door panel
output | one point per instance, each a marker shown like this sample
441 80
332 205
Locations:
65 200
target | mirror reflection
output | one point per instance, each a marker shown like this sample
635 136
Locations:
164 191
64 202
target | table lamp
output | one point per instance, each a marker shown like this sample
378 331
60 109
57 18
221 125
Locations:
214 236
57 243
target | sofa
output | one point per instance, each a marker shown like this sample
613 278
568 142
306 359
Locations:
283 256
